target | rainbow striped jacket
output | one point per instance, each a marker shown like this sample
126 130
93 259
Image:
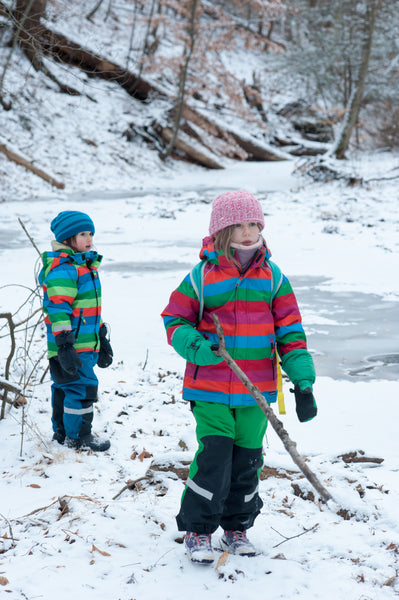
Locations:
71 298
252 331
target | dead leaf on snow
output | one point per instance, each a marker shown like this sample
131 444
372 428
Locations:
144 454
3 580
33 485
95 549
222 559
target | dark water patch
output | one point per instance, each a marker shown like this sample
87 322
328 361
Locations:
385 359
354 334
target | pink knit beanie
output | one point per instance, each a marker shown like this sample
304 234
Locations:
232 208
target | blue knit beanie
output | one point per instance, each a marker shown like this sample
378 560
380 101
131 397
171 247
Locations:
70 222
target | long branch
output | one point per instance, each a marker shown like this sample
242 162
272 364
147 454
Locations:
277 425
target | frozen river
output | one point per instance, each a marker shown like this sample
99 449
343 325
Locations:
150 238
352 335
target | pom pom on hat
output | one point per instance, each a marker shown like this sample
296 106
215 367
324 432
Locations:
236 207
70 222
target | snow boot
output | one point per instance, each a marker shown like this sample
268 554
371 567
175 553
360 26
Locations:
199 548
59 437
236 542
88 442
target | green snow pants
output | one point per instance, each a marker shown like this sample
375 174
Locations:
222 485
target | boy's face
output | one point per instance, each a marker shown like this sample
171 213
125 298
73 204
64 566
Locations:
83 241
245 233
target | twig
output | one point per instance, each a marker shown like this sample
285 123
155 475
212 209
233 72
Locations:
63 508
10 530
286 539
381 179
146 359
33 512
29 236
130 485
277 425
11 326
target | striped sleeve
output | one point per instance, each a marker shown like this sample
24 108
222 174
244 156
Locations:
60 290
182 309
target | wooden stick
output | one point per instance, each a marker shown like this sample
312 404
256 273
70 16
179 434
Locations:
277 425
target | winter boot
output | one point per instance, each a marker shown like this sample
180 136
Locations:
59 437
199 548
88 442
236 542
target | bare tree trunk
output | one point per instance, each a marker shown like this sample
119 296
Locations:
188 52
132 32
28 14
146 44
93 11
356 98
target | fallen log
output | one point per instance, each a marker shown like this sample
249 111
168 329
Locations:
20 160
256 150
244 148
193 153
64 50
8 387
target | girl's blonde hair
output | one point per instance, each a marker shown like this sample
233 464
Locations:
222 241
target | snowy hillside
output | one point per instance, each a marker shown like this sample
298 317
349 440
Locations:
102 526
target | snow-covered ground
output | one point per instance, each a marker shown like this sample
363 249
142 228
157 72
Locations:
111 546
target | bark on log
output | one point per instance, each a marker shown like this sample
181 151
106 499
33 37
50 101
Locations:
8 387
251 147
277 425
193 153
20 160
256 150
63 50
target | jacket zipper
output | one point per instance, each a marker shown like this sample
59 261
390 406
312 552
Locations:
93 278
273 356
79 324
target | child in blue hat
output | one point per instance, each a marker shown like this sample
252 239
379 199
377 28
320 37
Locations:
77 338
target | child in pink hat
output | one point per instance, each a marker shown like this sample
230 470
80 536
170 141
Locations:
260 318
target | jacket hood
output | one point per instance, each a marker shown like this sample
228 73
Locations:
62 254
209 252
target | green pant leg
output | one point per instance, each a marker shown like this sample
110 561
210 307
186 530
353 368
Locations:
250 426
208 483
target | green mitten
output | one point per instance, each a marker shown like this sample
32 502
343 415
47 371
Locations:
192 346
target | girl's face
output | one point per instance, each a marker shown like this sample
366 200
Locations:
83 241
245 233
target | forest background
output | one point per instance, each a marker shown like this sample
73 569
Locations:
128 82
139 113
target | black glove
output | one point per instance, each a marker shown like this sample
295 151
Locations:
67 355
105 355
306 407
